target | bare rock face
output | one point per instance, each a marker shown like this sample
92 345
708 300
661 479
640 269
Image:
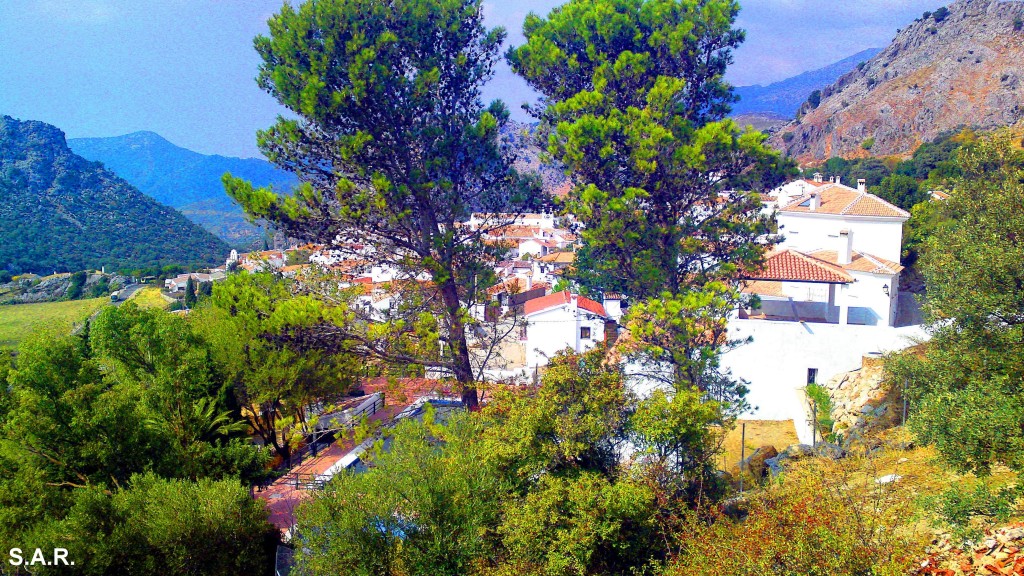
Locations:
962 66
863 401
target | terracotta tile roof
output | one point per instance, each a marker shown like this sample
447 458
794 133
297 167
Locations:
860 262
558 258
763 288
561 299
793 266
842 200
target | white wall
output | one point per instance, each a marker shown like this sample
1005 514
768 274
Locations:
777 360
809 232
867 300
556 329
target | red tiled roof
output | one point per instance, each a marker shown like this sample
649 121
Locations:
842 200
793 266
561 299
860 262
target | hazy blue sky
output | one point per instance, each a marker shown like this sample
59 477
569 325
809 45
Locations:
185 68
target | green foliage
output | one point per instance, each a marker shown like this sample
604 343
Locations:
190 293
868 143
5 277
535 484
814 100
903 191
941 14
60 212
160 526
925 219
271 382
427 506
388 96
973 363
74 291
959 505
823 401
635 108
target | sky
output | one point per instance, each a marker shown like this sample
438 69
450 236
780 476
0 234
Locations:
185 69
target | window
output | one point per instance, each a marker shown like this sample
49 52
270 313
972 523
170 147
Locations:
812 375
585 333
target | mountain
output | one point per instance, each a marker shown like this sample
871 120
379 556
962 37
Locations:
784 98
961 66
183 179
61 212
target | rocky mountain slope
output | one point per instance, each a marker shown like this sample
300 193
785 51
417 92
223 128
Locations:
784 98
183 179
960 66
61 212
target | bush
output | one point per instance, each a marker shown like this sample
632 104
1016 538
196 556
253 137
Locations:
1018 24
74 290
868 144
941 14
814 99
815 520
958 506
5 277
823 401
787 137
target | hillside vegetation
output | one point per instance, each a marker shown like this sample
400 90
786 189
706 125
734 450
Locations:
183 179
60 212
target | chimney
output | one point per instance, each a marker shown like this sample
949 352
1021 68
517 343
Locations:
817 177
832 179
845 252
815 201
862 185
529 280
613 305
838 179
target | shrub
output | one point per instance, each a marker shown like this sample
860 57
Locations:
868 144
5 277
1018 24
823 402
74 290
814 99
941 14
787 137
814 520
959 506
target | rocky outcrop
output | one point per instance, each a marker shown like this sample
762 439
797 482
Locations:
862 401
962 66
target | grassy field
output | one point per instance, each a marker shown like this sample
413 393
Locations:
149 297
19 320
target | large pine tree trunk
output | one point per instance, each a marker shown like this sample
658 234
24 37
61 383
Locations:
459 347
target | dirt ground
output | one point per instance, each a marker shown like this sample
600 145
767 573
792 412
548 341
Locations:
778 433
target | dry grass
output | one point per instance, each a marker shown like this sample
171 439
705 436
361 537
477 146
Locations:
150 297
778 433
19 320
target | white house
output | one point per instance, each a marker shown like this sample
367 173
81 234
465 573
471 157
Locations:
814 220
829 295
559 321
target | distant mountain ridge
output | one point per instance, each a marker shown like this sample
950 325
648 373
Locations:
960 66
61 212
184 179
785 97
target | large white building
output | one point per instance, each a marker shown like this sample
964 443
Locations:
829 295
559 321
